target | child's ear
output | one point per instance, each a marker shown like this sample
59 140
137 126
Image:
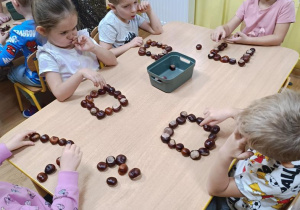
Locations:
41 30
111 6
15 3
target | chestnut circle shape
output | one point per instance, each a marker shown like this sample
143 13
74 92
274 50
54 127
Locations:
165 49
209 144
88 103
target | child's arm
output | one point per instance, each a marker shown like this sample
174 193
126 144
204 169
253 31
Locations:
270 40
219 183
216 116
3 17
67 193
221 32
8 51
154 26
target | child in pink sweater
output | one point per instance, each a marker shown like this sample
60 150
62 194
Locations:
66 194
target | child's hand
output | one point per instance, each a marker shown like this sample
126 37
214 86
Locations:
70 158
94 76
83 43
218 34
3 37
235 146
18 141
136 42
239 38
144 6
215 116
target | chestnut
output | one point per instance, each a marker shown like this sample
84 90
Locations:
101 92
111 161
50 169
116 107
213 51
142 49
172 144
149 41
159 44
123 168
250 52
221 47
180 120
156 57
198 46
212 136
169 131
179 147
62 142
120 97
124 101
246 57
153 43
164 52
183 114
185 152
108 111
34 137
215 129
199 120
100 115
111 181
44 138
83 103
106 87
111 91
102 166
42 177
153 56
58 161
217 57
253 50
148 53
224 44
211 55
163 46
195 154
168 48
120 159
232 61
89 98
141 53
172 67
203 151
241 63
191 118
94 93
117 93
146 45
207 128
54 140
70 142
94 111
224 59
173 124
90 105
134 173
209 144
165 138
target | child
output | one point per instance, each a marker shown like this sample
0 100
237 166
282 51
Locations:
69 55
3 17
16 197
267 22
118 30
21 38
267 176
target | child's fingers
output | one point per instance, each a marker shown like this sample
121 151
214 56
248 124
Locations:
67 147
244 155
27 143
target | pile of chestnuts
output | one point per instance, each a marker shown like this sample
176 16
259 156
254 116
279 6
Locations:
246 57
150 43
88 103
120 160
209 144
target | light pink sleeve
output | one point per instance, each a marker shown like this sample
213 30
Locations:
66 193
240 13
287 13
4 153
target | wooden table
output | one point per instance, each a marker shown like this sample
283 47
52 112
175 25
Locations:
169 180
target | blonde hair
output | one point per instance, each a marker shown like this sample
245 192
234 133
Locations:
25 3
114 2
49 13
272 126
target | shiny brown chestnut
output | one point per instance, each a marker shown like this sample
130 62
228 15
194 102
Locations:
62 142
123 168
212 136
142 49
211 55
100 115
199 120
198 46
207 128
134 173
54 140
44 138
146 46
50 169
180 120
224 44
195 155
246 59
148 53
149 41
108 111
173 124
89 98
217 57
94 93
153 43
153 56
101 92
172 144
232 61
168 48
250 52
120 97
116 107
156 57
164 52
183 114
213 51
141 53
192 118
209 144
111 181
203 151
83 103
124 101
221 47
164 46
185 152
172 67
179 147
224 59
252 49
70 142
42 177
169 131
111 161
241 63
117 93
106 87
165 138
111 91
102 166
94 111
34 137
159 44
58 161
215 129
90 105
121 159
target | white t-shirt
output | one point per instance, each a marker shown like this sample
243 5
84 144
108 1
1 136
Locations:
66 62
265 183
114 31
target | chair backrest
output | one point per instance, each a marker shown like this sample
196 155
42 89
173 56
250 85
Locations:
94 32
33 65
95 36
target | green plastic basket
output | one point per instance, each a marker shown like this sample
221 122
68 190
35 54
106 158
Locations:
14 14
167 80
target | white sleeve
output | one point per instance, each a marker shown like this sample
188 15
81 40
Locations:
47 63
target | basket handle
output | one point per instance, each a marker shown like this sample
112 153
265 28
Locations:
156 79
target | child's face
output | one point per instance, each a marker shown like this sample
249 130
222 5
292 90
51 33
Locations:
64 32
126 10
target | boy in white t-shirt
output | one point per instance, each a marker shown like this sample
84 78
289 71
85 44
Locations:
118 30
